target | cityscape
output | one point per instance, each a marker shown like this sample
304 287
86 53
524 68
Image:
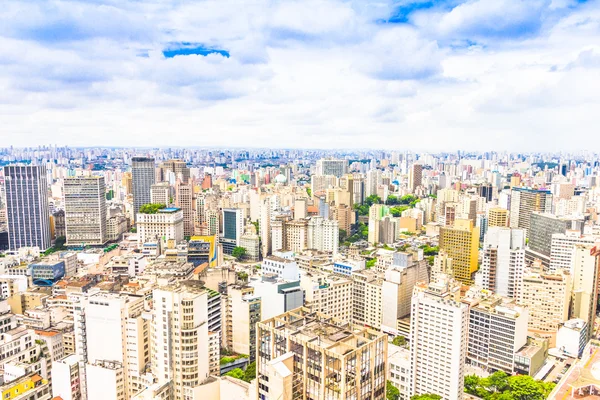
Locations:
299 200
298 274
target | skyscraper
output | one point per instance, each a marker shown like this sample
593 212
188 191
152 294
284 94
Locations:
524 201
233 228
27 206
437 359
461 243
143 176
184 195
338 168
415 177
85 210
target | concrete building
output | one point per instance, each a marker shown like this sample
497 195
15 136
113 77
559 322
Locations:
284 268
160 193
337 168
497 217
233 228
300 353
548 298
106 381
399 370
166 224
184 199
562 249
241 311
586 280
437 360
85 211
503 261
523 202
143 177
327 294
461 243
497 330
27 213
181 346
277 295
367 299
415 177
572 337
65 378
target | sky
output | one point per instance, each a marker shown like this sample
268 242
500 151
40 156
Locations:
373 74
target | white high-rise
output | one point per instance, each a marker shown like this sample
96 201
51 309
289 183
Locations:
27 214
323 234
503 261
438 337
337 168
563 246
85 210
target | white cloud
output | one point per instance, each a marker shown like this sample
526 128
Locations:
300 74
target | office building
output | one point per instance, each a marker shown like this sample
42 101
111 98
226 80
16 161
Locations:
160 193
327 294
143 177
173 170
65 378
461 243
572 337
367 306
233 228
47 273
497 330
241 311
337 168
523 202
181 347
562 247
497 217
166 224
503 261
586 278
85 211
548 297
27 213
277 295
323 235
415 177
303 354
438 337
399 370
184 196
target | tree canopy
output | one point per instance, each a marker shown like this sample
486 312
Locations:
391 391
427 396
500 386
151 208
238 252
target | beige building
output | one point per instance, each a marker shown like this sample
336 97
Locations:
585 284
296 236
497 217
184 199
548 298
461 243
327 294
302 354
164 225
85 210
367 298
241 310
160 193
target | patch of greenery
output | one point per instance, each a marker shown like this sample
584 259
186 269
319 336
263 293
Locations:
151 208
370 263
427 396
391 391
238 252
500 386
399 341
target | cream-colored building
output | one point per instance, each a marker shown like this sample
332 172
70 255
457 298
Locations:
301 354
367 298
327 294
585 264
241 310
548 298
164 225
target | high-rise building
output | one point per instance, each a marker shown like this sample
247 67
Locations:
323 235
503 261
241 311
337 168
586 262
166 224
65 378
523 202
180 343
233 228
497 330
461 243
437 360
184 196
85 211
160 193
143 177
305 354
367 307
27 211
542 227
497 217
415 177
177 168
548 297
562 247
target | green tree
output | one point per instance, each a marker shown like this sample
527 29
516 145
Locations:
343 235
391 391
151 208
250 372
427 396
497 382
133 229
362 209
409 198
471 383
242 276
370 263
372 199
524 387
236 373
238 252
399 341
396 211
392 200
60 241
309 192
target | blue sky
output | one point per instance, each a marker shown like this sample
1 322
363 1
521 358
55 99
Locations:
438 75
